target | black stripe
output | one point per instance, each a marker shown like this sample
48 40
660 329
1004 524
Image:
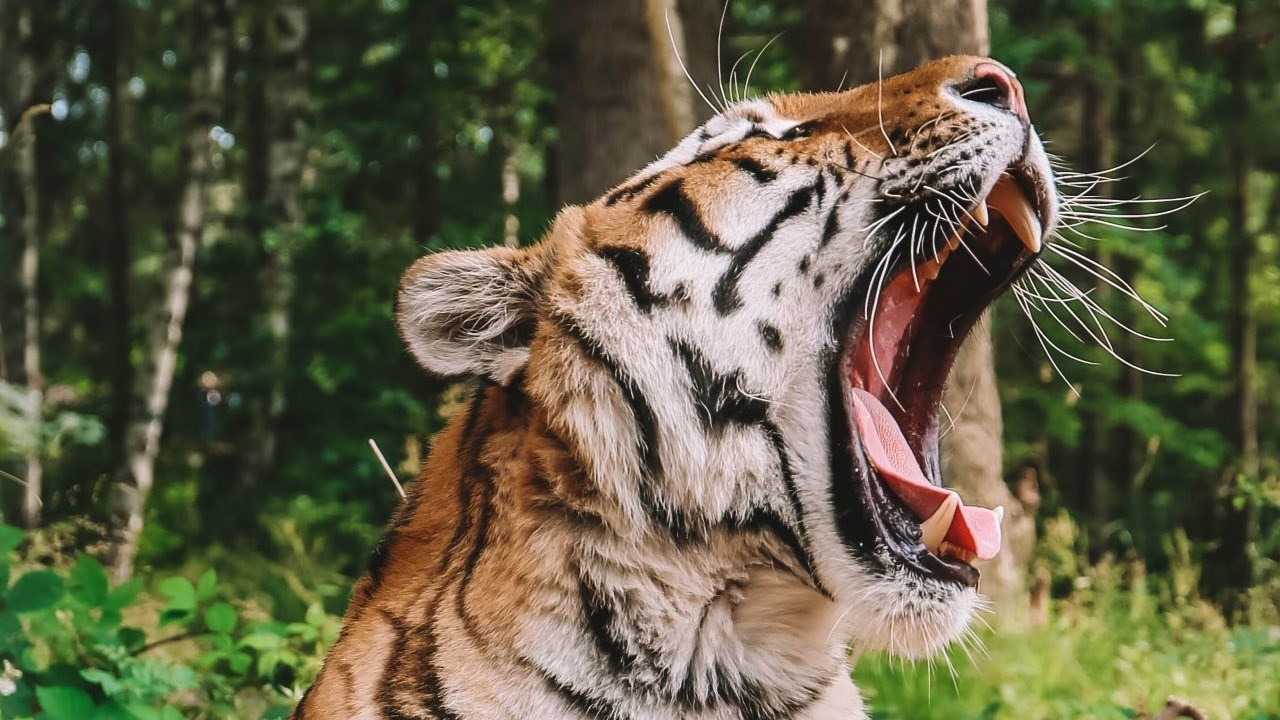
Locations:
597 609
388 701
830 227
756 169
427 677
771 336
680 527
752 701
626 192
850 160
641 412
721 402
717 395
671 200
793 498
725 295
591 708
633 267
478 547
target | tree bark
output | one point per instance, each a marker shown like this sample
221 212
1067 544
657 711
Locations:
119 361
285 112
1097 153
212 25
615 67
850 42
845 41
24 215
1234 561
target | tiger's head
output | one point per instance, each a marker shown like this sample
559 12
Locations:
752 334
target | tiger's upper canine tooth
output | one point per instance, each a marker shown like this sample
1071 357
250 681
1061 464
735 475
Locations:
1008 199
933 530
979 213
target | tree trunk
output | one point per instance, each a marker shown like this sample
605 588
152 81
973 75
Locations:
616 69
1234 561
24 215
212 23
1096 152
846 40
854 42
116 236
285 112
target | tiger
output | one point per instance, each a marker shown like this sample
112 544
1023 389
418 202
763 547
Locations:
699 466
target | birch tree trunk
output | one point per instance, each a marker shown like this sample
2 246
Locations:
212 26
285 90
851 42
24 215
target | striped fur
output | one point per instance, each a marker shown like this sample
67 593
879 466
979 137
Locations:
637 515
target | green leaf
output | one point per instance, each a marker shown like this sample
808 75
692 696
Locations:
132 638
10 538
181 593
279 712
35 591
64 703
315 614
123 595
112 711
220 618
239 662
110 684
261 641
207 587
90 581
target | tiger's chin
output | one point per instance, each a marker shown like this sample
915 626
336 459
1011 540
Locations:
914 539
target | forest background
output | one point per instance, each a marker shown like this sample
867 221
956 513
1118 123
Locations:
205 206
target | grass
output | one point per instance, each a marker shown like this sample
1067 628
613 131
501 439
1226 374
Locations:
1115 648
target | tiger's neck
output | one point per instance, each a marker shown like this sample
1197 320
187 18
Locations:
525 593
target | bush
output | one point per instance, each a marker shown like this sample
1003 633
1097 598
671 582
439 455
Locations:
74 648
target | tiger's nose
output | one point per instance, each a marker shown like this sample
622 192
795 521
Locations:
995 85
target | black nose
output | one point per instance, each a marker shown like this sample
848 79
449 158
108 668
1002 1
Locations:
992 84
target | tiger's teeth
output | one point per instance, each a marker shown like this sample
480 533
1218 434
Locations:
1007 199
946 549
933 530
979 213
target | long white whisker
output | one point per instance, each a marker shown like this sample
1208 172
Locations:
747 85
880 104
675 48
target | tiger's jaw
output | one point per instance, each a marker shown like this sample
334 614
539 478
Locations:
897 351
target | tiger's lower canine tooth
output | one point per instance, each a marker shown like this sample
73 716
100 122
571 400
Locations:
935 528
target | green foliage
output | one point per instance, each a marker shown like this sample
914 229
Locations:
74 648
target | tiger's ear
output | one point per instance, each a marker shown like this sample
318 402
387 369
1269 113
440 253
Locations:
472 312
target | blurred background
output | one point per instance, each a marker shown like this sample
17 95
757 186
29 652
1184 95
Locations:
206 205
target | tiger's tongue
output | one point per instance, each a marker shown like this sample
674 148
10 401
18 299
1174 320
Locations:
975 529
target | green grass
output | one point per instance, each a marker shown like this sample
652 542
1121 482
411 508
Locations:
1104 652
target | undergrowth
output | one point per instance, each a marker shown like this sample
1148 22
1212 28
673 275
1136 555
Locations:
1114 647
165 648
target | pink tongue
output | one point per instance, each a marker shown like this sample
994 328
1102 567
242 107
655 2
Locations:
975 529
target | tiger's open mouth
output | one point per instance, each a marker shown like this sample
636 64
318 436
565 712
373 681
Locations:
894 362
